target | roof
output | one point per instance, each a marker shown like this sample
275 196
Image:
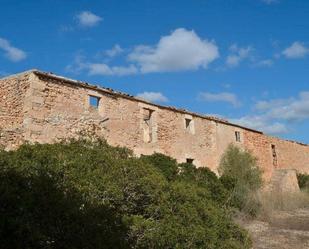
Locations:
131 97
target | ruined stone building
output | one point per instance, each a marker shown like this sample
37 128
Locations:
42 107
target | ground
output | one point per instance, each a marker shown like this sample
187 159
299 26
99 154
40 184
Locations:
285 230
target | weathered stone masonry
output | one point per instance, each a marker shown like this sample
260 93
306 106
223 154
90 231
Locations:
42 107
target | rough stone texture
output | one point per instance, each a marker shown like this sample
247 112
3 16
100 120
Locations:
290 155
44 108
13 96
260 146
283 180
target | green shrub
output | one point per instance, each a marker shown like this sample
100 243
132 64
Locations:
205 178
83 194
303 181
242 177
167 165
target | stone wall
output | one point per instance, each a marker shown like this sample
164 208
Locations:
288 154
63 110
291 155
58 111
13 97
36 107
260 146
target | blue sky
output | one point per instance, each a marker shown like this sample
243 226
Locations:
244 60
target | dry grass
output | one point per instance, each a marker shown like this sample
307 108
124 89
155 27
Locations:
272 202
283 222
269 235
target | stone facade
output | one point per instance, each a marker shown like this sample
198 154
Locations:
42 107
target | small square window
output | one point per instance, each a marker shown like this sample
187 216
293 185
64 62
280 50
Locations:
190 160
94 101
237 136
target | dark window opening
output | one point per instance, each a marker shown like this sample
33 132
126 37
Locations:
190 160
148 125
188 123
147 115
274 155
94 101
237 136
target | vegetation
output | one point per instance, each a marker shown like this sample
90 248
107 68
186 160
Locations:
241 175
303 181
83 194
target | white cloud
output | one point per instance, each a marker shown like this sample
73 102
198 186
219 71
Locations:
275 115
296 50
220 97
104 69
88 19
114 51
262 123
181 50
291 109
152 96
264 63
12 53
80 64
237 55
77 65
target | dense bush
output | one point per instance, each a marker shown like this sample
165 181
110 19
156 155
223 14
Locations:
187 172
167 165
242 177
83 194
303 181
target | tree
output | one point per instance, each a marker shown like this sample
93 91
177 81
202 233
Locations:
241 175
